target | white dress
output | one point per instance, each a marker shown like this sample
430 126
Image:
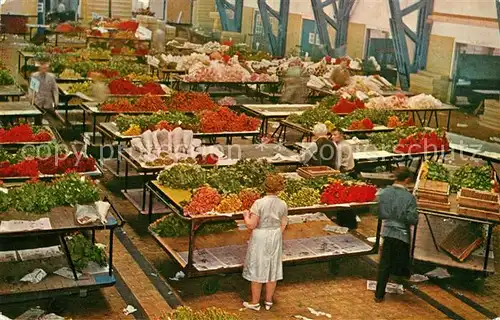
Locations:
263 262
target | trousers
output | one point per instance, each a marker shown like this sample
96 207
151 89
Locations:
395 260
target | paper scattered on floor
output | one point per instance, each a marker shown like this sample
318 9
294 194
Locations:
93 268
462 125
301 317
178 276
34 277
358 219
418 278
2 317
129 310
51 316
67 273
336 229
372 239
439 273
319 313
33 313
308 217
389 288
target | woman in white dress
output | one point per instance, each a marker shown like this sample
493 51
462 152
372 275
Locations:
263 264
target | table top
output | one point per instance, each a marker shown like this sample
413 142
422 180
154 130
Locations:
376 128
31 25
11 90
62 219
492 92
277 110
19 108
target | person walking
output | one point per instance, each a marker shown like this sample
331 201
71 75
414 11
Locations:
267 219
323 152
398 210
47 96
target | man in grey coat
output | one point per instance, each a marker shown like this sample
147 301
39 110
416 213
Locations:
47 96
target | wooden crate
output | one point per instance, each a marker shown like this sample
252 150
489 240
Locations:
461 242
480 195
474 203
316 171
433 205
434 187
478 214
432 196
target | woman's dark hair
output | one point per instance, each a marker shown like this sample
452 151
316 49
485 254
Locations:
402 173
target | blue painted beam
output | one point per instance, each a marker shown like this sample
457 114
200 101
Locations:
340 22
277 41
420 37
232 23
498 13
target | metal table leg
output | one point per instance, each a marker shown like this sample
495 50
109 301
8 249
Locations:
488 243
111 252
68 256
432 232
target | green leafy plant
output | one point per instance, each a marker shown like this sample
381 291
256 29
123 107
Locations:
183 176
5 78
72 189
304 197
82 252
174 226
36 197
437 172
311 117
473 177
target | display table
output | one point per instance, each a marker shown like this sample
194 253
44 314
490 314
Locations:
62 224
435 225
269 112
487 151
276 155
32 26
12 111
13 92
233 88
224 253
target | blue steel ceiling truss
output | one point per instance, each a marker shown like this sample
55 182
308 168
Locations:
277 41
340 22
230 14
498 13
400 32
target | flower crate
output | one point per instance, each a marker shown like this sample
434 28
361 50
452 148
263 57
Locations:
316 171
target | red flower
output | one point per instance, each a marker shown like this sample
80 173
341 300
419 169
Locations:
367 123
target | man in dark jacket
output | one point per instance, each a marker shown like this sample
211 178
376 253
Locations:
398 210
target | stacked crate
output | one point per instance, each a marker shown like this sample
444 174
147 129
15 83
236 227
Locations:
433 195
430 83
479 204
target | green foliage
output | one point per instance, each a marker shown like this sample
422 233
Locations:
437 172
304 197
4 202
123 122
473 177
377 116
32 151
32 197
329 101
72 189
41 197
311 117
186 313
225 179
183 176
5 78
388 140
82 252
174 226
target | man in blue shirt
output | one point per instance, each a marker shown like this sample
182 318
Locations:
398 210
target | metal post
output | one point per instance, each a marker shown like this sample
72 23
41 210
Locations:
109 14
400 32
232 24
498 13
41 15
277 42
339 21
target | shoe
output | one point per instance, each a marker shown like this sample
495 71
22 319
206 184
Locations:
255 307
378 300
268 305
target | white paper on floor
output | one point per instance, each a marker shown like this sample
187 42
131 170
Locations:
34 277
462 125
51 316
372 239
129 310
418 278
2 317
336 229
319 313
389 288
439 273
301 317
178 276
67 273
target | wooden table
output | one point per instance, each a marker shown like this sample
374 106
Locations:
232 245
62 223
10 111
269 112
